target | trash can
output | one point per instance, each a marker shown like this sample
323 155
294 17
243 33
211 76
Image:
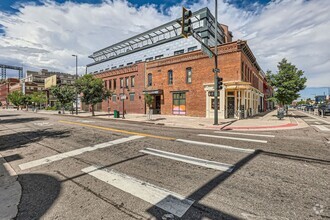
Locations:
116 114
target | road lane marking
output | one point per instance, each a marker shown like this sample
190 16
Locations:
247 134
191 160
316 118
162 198
321 127
118 130
217 145
232 138
76 152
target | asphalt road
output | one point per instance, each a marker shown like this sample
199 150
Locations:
86 168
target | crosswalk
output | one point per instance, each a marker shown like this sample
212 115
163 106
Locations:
165 199
320 124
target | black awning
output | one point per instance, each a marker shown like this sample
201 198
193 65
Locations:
153 92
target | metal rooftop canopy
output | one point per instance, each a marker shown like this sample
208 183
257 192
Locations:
202 23
4 67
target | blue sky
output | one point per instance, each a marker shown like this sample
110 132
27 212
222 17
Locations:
44 34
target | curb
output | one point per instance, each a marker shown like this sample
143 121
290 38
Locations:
274 127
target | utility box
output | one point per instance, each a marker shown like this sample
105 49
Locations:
116 114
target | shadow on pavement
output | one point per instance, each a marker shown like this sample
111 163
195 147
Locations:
39 192
20 120
294 157
20 139
199 211
13 115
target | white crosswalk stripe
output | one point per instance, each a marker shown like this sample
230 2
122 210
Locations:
187 159
321 127
226 147
233 138
162 198
245 134
61 156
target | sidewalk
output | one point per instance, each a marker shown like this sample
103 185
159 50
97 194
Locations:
266 121
10 191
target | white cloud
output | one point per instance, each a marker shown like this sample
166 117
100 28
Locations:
46 36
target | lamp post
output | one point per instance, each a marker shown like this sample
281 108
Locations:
76 86
124 100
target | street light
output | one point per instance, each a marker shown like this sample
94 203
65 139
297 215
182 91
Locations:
124 100
76 86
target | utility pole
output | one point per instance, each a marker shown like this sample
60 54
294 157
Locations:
76 86
216 70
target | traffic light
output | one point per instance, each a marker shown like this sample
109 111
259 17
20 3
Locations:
219 83
186 22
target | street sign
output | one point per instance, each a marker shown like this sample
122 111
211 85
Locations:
122 97
207 51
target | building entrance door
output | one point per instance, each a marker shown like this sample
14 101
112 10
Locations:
231 107
157 104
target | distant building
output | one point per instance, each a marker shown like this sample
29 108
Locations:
5 86
320 98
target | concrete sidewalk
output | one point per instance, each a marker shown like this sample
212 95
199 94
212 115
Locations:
265 121
10 191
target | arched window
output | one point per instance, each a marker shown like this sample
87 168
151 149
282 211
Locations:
149 79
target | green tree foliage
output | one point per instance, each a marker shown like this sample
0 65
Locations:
38 98
92 90
148 99
287 82
16 98
64 94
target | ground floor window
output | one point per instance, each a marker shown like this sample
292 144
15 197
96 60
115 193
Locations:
179 103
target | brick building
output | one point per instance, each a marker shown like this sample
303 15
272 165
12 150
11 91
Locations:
179 75
5 89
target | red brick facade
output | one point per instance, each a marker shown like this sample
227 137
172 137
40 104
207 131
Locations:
4 90
134 102
183 90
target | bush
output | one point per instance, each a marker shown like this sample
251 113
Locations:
51 108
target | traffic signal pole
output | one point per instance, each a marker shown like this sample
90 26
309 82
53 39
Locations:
216 70
186 31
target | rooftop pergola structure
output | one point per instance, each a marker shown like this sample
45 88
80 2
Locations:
202 23
4 68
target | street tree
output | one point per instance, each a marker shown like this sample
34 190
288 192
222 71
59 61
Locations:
16 98
287 82
149 99
92 90
64 94
38 98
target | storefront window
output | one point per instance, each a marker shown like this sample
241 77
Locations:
179 103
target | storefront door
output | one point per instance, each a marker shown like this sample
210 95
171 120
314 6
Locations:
231 107
157 104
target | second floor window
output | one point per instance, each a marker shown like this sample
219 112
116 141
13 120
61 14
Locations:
149 79
126 82
170 77
132 81
114 83
110 84
121 82
188 75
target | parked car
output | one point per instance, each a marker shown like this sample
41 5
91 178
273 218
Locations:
325 108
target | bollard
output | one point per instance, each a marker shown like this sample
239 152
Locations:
322 113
